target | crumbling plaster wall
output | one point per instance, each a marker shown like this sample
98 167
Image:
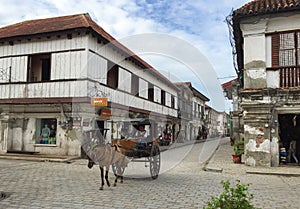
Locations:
254 55
257 112
258 121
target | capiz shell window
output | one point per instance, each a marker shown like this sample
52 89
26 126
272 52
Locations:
46 131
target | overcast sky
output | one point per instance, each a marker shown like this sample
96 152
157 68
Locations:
200 23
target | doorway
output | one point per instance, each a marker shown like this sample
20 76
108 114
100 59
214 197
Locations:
289 135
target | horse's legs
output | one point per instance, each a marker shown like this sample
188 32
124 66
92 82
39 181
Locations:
116 180
118 176
106 177
102 178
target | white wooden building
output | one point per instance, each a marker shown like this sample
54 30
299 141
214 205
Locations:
50 71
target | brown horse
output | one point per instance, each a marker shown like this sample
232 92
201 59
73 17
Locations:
106 155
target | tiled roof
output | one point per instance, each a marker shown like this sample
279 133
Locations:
228 84
256 8
40 26
194 90
267 6
66 23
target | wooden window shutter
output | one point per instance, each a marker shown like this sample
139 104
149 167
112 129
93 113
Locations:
275 50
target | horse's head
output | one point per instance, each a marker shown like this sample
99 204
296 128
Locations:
90 163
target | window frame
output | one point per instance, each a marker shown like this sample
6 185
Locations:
277 50
112 80
36 71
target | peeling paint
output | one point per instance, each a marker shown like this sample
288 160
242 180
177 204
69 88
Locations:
253 130
255 64
250 161
263 147
256 74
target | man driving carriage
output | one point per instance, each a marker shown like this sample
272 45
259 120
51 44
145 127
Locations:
142 133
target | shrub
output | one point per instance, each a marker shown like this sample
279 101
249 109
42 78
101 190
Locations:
238 147
237 197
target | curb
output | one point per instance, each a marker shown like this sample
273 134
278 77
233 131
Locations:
216 170
39 159
206 166
273 173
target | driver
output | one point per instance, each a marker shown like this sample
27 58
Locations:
142 132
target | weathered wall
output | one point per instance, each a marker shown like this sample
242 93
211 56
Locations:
260 105
3 134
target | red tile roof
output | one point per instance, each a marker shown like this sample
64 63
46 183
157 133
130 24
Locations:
54 24
66 23
267 6
228 84
194 90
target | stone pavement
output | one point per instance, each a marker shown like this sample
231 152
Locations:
38 157
221 161
34 185
68 159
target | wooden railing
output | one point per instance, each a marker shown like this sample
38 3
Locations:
289 76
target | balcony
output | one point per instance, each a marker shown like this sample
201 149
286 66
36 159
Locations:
289 77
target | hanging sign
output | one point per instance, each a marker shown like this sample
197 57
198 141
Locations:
99 102
105 113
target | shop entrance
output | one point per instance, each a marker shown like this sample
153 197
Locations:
289 134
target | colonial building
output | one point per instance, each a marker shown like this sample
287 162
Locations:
185 105
231 91
62 75
198 125
216 122
211 121
267 37
192 109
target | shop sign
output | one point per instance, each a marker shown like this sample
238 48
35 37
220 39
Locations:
99 102
105 113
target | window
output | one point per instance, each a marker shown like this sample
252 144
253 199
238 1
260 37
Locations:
134 85
285 49
39 67
46 131
112 75
172 101
163 97
150 92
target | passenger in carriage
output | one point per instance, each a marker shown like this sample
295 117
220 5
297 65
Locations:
142 133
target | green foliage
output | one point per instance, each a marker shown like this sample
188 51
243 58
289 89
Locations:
237 197
238 147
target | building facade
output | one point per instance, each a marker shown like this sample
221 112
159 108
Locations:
266 37
199 128
192 112
59 81
231 91
185 106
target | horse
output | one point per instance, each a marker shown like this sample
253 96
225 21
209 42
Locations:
105 155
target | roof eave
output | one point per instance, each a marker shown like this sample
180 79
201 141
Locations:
45 34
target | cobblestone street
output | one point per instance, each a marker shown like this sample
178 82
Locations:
61 185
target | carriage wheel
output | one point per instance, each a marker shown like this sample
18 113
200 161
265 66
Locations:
154 161
118 171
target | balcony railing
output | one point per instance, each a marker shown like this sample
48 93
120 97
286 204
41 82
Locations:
289 76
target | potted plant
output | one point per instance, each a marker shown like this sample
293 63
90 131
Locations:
238 148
